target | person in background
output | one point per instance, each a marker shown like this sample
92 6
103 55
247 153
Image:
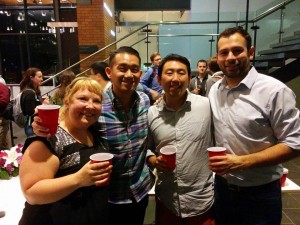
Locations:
59 183
149 80
216 72
65 79
98 73
197 83
31 95
4 123
123 129
255 118
183 196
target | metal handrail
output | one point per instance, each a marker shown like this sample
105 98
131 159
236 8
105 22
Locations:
95 53
271 10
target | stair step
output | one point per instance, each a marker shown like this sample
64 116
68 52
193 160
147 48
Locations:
289 38
297 32
291 48
286 43
269 64
278 56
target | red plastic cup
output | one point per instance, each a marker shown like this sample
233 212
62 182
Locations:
102 157
216 151
168 153
49 114
284 176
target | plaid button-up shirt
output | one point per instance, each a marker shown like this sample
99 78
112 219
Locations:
124 134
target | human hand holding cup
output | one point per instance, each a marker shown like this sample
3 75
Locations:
168 154
49 115
102 157
45 100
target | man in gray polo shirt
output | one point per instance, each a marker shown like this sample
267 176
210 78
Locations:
183 195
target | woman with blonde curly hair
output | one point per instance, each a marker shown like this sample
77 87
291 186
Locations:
59 183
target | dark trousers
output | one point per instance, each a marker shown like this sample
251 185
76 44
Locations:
128 214
163 216
259 205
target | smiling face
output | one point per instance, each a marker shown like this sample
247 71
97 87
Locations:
174 79
84 108
233 57
124 73
37 79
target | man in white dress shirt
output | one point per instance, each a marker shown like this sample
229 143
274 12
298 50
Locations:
255 118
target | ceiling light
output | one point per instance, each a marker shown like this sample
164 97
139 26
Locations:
107 9
112 33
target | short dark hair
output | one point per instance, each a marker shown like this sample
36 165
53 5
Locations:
174 57
124 49
202 60
232 30
99 67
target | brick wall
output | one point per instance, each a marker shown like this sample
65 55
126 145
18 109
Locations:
94 25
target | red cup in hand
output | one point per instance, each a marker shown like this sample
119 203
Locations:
216 151
49 115
168 153
284 176
102 157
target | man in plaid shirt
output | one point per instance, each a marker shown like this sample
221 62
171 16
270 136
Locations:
123 130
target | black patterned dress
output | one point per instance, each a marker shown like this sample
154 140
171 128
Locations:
85 206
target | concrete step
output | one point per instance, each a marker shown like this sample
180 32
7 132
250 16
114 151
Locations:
285 43
290 38
268 64
297 32
291 48
278 56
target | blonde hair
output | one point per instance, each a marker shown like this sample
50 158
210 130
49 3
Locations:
79 83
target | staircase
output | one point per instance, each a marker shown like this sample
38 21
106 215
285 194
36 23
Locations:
282 60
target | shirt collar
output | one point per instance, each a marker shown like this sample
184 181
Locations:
248 81
115 101
162 105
